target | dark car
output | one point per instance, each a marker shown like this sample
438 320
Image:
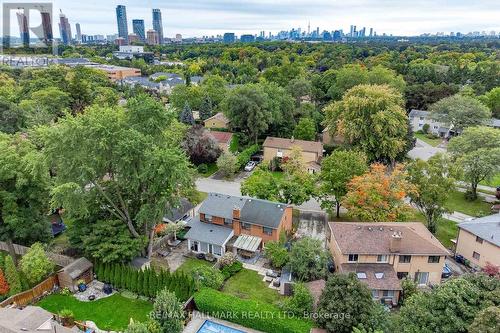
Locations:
446 272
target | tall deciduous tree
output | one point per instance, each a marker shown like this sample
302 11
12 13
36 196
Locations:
477 151
24 192
305 129
308 259
492 100
337 170
227 164
460 111
372 119
377 195
345 294
200 146
433 180
120 159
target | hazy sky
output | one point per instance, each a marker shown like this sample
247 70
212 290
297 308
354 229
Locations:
210 17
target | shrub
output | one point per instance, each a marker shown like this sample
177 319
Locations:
208 277
168 312
12 276
409 288
249 313
301 303
4 286
36 265
228 271
276 253
425 128
65 291
66 313
202 168
228 259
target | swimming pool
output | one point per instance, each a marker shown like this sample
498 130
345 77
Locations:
213 327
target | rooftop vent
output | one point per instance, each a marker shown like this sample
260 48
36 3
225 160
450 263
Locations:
380 228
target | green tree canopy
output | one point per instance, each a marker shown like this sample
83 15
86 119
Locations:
337 170
168 312
120 159
305 130
372 119
477 152
308 259
460 111
492 100
35 264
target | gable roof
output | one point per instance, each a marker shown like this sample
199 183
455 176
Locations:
282 143
221 137
77 267
488 228
219 116
418 113
374 238
29 319
254 211
178 211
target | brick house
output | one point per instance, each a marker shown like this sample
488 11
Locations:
312 151
218 120
223 139
241 225
381 254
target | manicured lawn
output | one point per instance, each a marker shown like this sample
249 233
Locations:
190 264
446 230
493 182
456 202
110 313
212 168
248 284
424 138
235 143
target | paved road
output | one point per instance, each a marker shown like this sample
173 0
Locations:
424 151
234 188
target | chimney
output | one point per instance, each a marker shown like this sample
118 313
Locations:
236 213
395 242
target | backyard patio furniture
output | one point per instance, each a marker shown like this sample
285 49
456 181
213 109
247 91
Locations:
276 283
91 297
174 243
164 252
200 256
268 279
107 288
271 273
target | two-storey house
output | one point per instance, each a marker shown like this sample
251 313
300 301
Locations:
242 225
312 151
381 254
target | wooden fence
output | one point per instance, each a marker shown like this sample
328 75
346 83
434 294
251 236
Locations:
28 296
58 259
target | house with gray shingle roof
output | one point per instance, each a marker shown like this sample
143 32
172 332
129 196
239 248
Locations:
241 225
479 241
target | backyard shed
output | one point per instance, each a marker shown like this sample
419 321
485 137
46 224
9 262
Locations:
80 269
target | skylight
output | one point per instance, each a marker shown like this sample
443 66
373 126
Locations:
361 275
379 275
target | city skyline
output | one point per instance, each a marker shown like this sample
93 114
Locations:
195 18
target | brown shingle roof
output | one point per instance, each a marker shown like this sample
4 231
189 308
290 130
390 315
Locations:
387 278
282 143
221 137
219 116
374 238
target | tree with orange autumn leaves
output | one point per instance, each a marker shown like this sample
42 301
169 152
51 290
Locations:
378 195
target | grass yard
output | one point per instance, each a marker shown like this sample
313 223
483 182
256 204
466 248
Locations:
493 182
191 263
424 138
248 284
235 143
212 168
446 231
112 313
456 202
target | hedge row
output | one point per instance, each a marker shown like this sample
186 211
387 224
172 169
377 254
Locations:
248 313
245 155
145 282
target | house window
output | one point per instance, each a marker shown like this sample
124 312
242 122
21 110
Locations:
208 218
476 255
374 293
388 293
228 222
433 259
479 240
382 258
421 278
267 231
279 153
353 258
421 118
246 226
420 125
404 259
402 275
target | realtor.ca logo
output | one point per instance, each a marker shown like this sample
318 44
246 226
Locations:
34 21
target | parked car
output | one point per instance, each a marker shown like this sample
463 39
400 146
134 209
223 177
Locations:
446 272
250 166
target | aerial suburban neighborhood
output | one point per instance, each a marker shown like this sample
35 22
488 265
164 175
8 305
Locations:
300 181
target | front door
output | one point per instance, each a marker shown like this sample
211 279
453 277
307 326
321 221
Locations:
194 247
210 249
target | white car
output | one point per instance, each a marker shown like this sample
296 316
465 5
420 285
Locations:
250 166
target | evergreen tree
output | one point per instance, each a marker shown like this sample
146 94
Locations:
133 280
124 276
145 283
206 108
153 280
12 276
139 284
118 276
187 115
98 270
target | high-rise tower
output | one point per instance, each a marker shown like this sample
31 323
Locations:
157 24
121 19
